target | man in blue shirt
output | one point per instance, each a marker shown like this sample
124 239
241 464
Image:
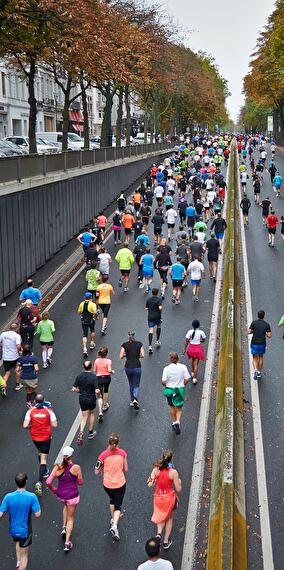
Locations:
277 183
21 504
86 238
178 274
143 236
147 262
34 295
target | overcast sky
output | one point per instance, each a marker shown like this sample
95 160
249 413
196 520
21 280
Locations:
228 30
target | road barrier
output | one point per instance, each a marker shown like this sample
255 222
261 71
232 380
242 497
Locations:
227 547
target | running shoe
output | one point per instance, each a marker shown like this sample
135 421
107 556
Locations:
177 302
173 300
105 407
167 545
120 282
48 361
80 438
101 418
103 331
46 474
150 350
114 532
3 392
68 546
158 343
178 430
259 375
141 286
194 380
18 386
255 374
92 434
135 404
38 489
126 289
131 404
45 365
147 288
85 354
63 532
92 346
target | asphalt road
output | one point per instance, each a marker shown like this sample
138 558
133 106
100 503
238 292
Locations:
143 434
265 268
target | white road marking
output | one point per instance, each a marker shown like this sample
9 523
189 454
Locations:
266 542
70 436
200 445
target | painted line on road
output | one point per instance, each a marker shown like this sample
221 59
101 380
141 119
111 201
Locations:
266 541
200 445
70 436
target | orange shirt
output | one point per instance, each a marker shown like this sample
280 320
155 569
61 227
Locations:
102 366
113 467
137 198
128 221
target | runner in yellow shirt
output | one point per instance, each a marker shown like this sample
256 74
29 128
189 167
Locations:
104 292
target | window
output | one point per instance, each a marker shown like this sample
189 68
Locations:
17 126
3 84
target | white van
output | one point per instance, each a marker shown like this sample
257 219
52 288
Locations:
139 139
74 141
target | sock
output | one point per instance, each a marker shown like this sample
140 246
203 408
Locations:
158 332
49 352
42 469
44 353
150 336
100 405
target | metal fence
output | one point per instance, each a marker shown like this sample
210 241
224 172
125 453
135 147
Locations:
22 167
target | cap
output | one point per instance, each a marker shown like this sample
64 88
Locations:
67 451
88 295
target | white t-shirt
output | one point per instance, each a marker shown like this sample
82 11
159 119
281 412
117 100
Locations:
209 183
104 260
263 154
9 340
159 191
175 374
157 565
170 171
170 216
211 195
199 335
196 268
243 177
171 184
201 237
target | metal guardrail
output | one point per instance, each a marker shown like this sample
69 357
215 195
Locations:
22 167
227 545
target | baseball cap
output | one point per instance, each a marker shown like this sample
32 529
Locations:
88 295
67 451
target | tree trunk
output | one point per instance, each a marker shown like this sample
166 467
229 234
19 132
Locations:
65 115
128 115
85 115
33 109
151 127
106 134
119 116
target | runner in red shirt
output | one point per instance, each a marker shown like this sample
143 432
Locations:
40 419
102 220
154 171
271 222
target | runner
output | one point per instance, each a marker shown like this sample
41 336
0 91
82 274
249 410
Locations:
266 206
213 249
69 476
147 262
26 374
112 464
162 263
256 189
102 221
158 222
127 222
133 351
93 278
137 227
86 385
88 310
104 261
121 202
152 548
191 218
260 330
103 370
167 481
125 260
245 206
271 221
27 323
34 295
171 216
103 293
20 504
116 226
175 377
193 349
39 420
159 193
197 272
85 239
137 199
154 308
145 213
91 256
45 330
139 250
277 184
143 237
178 275
10 343
220 226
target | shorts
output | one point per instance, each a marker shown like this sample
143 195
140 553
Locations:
164 275
212 258
46 343
272 230
152 324
257 349
87 327
30 382
9 364
220 235
23 542
43 446
157 231
147 272
105 307
177 283
70 502
127 231
171 225
145 220
104 382
116 496
87 404
195 281
125 271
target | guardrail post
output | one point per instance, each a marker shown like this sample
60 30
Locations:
123 152
65 160
19 169
105 154
94 157
80 159
44 164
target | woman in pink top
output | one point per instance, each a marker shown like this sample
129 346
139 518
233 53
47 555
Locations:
103 370
167 482
112 464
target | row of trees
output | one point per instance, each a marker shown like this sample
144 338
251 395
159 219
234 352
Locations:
120 47
264 84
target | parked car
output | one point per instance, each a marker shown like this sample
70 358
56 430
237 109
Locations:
42 146
55 138
139 139
10 149
95 142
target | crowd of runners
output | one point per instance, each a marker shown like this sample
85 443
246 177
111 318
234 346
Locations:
171 227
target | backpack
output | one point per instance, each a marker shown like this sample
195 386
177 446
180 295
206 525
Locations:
86 317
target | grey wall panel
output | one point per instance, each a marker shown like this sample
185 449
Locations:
36 223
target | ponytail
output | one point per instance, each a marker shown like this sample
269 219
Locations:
64 464
113 441
165 460
195 326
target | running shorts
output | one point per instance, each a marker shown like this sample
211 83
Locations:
116 496
257 349
43 446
